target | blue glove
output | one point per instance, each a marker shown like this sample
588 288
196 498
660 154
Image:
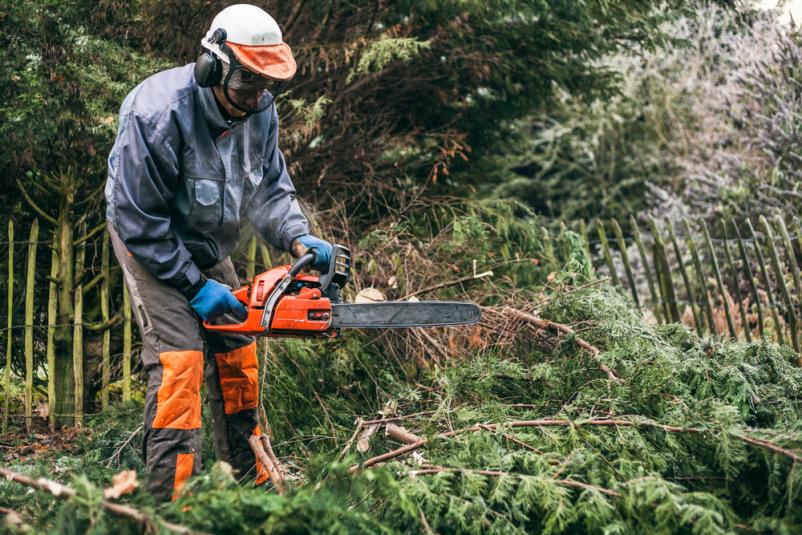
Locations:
215 299
322 251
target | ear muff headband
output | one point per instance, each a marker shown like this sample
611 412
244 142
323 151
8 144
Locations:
209 68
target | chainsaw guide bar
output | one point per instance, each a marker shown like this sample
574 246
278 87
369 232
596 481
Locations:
403 314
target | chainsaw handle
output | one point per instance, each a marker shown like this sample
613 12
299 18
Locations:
301 263
242 295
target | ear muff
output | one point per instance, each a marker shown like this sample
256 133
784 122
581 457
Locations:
208 67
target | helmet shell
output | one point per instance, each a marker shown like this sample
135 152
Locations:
255 38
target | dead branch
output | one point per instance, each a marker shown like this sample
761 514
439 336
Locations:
446 284
62 491
400 434
255 442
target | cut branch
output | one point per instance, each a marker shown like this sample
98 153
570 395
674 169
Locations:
62 491
401 434
275 476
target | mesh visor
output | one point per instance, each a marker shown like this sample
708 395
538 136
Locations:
272 61
246 90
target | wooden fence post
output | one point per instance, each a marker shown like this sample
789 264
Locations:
765 275
700 276
719 281
686 280
622 248
645 261
798 232
736 283
266 261
52 304
30 289
548 248
77 336
10 324
608 257
790 256
780 276
663 271
751 276
583 232
105 371
250 267
126 344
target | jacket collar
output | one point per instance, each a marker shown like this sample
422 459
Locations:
212 112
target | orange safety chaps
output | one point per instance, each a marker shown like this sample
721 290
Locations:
176 354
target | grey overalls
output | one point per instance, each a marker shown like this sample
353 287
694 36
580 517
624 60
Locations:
181 179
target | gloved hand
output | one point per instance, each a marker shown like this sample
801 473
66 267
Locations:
322 251
215 299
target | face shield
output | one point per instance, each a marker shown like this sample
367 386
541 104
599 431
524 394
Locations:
243 89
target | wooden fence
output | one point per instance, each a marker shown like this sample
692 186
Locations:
111 310
736 279
739 281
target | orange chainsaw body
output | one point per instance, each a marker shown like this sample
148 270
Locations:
300 311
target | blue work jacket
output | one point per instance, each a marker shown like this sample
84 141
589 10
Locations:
181 179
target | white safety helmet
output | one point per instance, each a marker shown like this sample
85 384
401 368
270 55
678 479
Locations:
255 39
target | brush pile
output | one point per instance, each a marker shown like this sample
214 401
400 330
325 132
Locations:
560 413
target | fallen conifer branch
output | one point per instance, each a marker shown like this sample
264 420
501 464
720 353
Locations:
567 482
555 422
63 491
565 329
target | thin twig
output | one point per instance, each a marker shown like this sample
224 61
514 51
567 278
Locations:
360 423
120 449
446 284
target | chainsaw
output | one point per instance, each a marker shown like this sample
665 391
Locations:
284 302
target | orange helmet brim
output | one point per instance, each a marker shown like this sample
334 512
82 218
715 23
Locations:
271 61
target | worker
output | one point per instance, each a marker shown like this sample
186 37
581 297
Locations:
196 155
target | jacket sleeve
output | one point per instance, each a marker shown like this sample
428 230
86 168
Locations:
274 211
144 169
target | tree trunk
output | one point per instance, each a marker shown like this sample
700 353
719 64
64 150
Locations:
64 384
